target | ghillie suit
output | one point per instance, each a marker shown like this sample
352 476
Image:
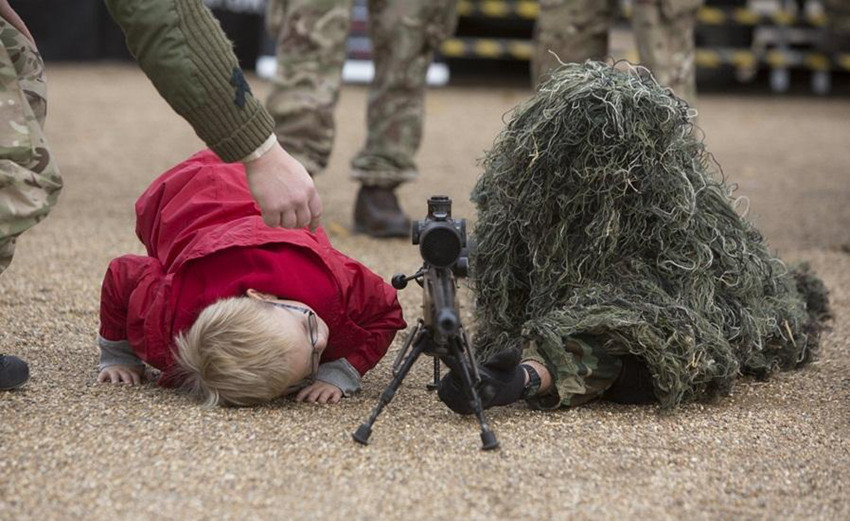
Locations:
602 216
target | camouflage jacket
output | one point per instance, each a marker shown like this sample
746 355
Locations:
184 52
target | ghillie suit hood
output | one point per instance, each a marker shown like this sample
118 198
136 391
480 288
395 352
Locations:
600 212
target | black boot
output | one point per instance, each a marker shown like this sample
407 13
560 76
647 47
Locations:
13 372
378 214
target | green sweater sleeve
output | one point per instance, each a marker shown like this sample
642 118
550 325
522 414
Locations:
184 52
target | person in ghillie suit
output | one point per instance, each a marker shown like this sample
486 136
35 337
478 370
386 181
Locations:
611 261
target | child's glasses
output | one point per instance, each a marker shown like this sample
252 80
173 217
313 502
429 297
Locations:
313 328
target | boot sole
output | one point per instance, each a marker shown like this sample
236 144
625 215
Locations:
15 386
16 380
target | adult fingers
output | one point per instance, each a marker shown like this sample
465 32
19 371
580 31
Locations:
271 217
302 216
289 219
316 209
507 359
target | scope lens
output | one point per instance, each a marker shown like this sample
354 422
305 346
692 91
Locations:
440 245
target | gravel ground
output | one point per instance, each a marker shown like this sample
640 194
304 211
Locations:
73 449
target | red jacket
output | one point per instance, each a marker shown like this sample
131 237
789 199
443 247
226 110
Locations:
206 240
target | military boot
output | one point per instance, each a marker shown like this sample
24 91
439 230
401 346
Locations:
13 372
377 213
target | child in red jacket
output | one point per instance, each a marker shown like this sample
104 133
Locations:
234 311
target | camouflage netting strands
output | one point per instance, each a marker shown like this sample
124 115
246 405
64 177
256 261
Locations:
601 213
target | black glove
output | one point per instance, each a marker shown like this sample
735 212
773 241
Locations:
502 383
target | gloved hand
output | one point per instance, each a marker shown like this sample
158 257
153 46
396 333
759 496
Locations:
502 383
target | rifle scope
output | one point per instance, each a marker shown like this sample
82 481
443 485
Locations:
441 239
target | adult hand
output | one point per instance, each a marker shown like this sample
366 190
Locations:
319 392
284 190
122 374
502 383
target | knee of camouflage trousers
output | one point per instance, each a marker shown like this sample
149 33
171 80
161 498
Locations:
29 180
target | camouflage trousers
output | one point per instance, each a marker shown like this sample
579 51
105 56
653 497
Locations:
577 30
29 179
311 50
664 33
571 31
581 368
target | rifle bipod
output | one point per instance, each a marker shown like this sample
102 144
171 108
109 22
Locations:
421 342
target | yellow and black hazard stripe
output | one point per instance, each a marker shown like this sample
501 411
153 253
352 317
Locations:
529 9
744 16
508 49
773 59
489 48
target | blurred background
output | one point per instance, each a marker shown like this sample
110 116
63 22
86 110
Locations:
783 45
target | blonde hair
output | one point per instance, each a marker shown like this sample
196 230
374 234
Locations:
238 352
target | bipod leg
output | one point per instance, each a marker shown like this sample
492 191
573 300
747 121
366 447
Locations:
361 435
433 386
413 338
488 438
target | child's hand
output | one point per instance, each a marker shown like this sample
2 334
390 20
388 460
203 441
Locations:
121 374
319 392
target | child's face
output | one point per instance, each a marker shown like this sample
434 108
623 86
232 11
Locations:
315 331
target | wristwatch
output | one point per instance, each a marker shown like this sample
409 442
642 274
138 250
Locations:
533 384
